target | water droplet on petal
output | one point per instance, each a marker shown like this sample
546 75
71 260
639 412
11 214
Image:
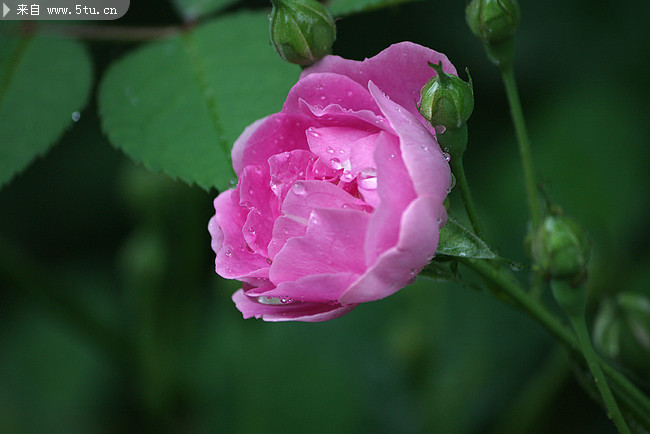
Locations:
228 253
440 129
299 188
286 300
453 183
430 258
268 261
269 300
367 178
312 132
336 163
347 176
251 230
329 150
446 156
350 93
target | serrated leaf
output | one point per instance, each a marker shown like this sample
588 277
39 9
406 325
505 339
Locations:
178 105
347 7
456 240
192 9
42 82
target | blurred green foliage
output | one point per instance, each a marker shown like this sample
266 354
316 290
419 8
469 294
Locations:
112 319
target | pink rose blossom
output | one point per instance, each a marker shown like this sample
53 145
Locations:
339 199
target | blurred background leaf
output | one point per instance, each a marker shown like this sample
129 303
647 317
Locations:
130 250
193 9
40 95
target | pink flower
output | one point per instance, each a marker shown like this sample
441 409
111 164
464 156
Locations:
340 194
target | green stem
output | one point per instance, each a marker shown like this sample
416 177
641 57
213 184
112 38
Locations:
459 172
636 402
584 341
573 301
508 76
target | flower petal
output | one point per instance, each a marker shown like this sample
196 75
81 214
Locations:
277 133
396 267
308 312
321 90
332 244
405 60
421 154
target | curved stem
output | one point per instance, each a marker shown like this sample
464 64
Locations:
508 76
584 341
636 402
459 172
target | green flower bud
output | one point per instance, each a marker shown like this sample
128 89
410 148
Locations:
493 20
561 248
302 31
622 331
446 100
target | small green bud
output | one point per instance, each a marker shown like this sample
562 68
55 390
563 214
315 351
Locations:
561 248
446 100
302 31
622 331
493 20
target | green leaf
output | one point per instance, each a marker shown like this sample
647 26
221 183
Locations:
192 9
347 7
455 240
42 82
178 105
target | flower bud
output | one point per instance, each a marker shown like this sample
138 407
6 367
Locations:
446 100
561 248
302 31
622 331
493 20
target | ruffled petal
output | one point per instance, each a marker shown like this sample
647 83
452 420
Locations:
422 156
235 259
332 244
277 133
398 266
395 191
316 288
307 312
321 90
400 70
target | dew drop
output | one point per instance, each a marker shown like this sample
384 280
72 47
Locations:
323 97
228 253
453 183
286 300
341 151
447 156
329 150
440 129
430 258
251 230
76 116
336 163
312 132
299 188
350 93
269 300
268 261
347 176
367 178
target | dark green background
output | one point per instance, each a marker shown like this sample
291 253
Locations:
111 318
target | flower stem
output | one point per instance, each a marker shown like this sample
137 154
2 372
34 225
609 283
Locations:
573 301
508 76
459 172
498 279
